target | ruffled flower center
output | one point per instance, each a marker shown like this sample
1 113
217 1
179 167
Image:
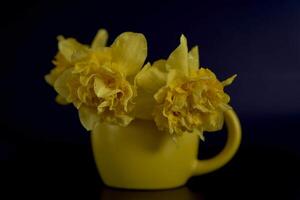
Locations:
95 84
194 104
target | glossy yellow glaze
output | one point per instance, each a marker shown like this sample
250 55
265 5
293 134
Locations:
140 156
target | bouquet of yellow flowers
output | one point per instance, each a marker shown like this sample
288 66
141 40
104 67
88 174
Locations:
111 84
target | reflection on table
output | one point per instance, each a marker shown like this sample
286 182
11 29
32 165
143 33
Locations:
182 193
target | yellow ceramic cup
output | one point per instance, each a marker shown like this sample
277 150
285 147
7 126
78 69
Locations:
140 156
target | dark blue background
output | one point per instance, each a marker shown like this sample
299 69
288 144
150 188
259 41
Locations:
258 40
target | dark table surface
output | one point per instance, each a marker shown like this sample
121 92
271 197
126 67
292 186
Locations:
52 169
62 170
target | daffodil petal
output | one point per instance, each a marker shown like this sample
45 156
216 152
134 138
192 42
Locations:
193 58
129 51
88 117
151 78
50 79
174 78
60 84
199 133
178 60
71 49
61 100
213 121
100 88
61 64
100 39
77 104
160 95
123 120
143 105
229 80
148 81
205 73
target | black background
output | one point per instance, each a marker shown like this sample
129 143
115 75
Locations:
43 146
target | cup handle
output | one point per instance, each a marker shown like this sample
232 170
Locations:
234 135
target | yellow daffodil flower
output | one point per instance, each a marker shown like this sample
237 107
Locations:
180 96
97 79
